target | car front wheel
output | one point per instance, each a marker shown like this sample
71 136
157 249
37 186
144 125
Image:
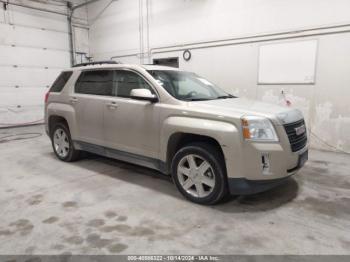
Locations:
198 171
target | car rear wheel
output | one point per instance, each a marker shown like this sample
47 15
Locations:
62 143
199 173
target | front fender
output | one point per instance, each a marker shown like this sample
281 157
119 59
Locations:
225 133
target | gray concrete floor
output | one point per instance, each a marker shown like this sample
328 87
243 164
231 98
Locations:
103 206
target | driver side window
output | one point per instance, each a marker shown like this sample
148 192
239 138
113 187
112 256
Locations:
125 81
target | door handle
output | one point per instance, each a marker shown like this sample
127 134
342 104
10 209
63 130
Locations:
112 105
73 100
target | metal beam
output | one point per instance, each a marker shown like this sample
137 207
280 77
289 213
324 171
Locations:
32 7
72 9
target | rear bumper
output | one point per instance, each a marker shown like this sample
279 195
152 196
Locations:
243 186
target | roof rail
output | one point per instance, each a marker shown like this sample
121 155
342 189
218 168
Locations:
97 63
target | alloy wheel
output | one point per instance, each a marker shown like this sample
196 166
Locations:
61 142
196 175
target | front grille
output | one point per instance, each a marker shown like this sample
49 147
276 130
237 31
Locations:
297 142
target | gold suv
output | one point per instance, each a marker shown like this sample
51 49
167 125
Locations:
210 142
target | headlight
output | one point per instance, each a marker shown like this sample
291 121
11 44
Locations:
258 128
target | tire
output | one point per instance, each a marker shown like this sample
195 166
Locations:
199 173
62 144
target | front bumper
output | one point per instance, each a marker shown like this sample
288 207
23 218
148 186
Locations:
244 186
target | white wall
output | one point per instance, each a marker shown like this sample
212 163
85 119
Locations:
34 48
174 25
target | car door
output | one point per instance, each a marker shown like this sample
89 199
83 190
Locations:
131 125
88 100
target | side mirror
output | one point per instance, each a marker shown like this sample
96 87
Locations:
143 94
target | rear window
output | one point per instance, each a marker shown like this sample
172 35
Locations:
98 82
61 81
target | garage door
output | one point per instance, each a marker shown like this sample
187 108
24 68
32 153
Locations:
34 48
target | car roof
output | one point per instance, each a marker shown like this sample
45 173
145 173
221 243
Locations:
158 67
116 66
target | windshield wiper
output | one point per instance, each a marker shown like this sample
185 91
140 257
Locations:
226 96
198 99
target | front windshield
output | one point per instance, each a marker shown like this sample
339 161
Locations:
188 86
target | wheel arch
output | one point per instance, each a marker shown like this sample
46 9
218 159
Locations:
180 139
55 119
178 130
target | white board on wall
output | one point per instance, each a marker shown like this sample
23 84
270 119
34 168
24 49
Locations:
288 63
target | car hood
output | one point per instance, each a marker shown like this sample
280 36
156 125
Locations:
238 107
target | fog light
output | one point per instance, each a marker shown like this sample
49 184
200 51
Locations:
265 163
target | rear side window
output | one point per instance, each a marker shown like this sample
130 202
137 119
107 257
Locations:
98 82
60 81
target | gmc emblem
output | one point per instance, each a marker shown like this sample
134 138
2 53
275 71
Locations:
300 130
